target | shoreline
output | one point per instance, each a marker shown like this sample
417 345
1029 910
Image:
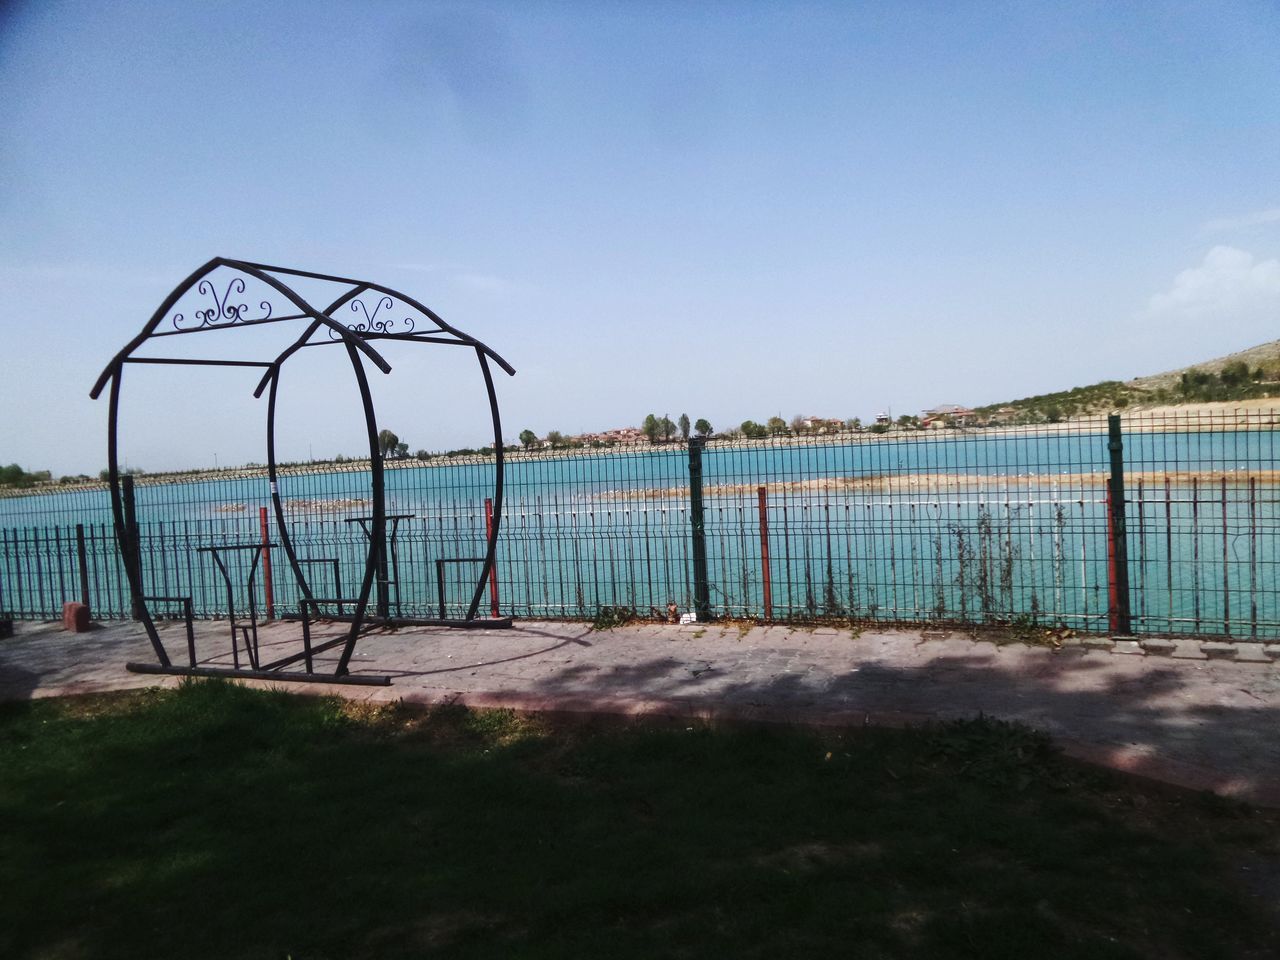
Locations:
1205 417
940 483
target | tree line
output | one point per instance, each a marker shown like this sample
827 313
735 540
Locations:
657 428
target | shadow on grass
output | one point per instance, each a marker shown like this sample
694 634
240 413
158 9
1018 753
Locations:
215 821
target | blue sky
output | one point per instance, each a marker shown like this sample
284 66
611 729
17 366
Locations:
729 210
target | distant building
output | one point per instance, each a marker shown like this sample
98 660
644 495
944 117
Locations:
822 424
949 413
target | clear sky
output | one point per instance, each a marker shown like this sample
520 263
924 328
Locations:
732 210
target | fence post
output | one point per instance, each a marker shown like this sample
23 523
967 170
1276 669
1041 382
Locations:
766 576
267 593
383 583
701 588
1117 534
82 555
131 536
493 570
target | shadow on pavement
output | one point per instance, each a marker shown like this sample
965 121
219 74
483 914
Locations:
1153 723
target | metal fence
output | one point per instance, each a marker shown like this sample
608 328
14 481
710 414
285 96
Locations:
1158 524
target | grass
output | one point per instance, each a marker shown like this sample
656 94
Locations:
215 821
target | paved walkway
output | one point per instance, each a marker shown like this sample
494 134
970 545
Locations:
1195 722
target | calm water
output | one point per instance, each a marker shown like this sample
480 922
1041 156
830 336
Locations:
967 527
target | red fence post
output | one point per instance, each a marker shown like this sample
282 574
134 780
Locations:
493 571
764 552
266 565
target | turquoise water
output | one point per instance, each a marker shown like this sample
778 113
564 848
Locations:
967 527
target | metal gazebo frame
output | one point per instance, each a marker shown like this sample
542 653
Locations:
321 328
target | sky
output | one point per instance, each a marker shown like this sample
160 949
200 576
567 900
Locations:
729 210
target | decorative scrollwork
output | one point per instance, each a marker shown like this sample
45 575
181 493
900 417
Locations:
371 323
223 311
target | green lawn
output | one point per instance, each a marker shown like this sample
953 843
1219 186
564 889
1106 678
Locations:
214 821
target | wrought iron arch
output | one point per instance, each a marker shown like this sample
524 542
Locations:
392 317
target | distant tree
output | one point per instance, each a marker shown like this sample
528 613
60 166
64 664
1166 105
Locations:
387 442
555 438
1234 374
684 426
798 424
907 421
753 430
423 455
1196 384
651 428
1053 414
402 451
528 438
667 427
105 475
776 426
14 476
703 427
854 423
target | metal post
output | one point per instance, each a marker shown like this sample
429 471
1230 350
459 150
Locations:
1226 564
493 568
383 599
267 593
132 544
701 588
82 555
764 553
1117 530
1113 598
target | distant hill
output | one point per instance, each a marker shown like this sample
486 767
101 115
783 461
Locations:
1265 356
1244 375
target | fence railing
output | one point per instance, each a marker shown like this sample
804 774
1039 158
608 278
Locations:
1152 523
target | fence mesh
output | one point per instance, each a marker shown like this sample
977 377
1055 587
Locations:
956 525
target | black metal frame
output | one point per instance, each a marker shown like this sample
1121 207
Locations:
225 312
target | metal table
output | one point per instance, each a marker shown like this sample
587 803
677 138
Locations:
249 632
385 582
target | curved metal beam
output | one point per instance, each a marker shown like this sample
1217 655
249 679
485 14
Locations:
491 547
378 525
311 311
124 536
197 275
306 309
282 527
421 308
302 340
